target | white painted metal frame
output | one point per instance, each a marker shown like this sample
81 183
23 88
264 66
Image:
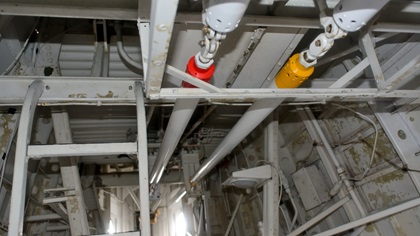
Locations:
187 18
119 91
142 157
21 165
367 47
161 24
302 94
271 188
346 78
66 150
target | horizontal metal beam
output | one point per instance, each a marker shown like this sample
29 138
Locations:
120 13
119 91
38 218
55 10
302 93
66 150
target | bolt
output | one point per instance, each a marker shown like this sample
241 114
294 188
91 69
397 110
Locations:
163 27
401 134
47 87
329 28
411 118
130 87
55 167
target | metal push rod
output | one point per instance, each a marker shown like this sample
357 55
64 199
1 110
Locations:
251 119
181 115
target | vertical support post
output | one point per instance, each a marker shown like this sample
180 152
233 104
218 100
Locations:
142 156
161 25
21 164
369 50
76 209
271 188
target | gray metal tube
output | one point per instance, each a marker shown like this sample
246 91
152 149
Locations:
251 119
121 51
181 115
235 212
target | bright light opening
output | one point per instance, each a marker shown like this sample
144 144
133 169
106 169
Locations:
111 227
181 225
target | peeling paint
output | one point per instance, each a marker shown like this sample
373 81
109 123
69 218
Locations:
6 127
383 146
78 95
354 155
302 139
379 199
110 94
391 177
72 202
